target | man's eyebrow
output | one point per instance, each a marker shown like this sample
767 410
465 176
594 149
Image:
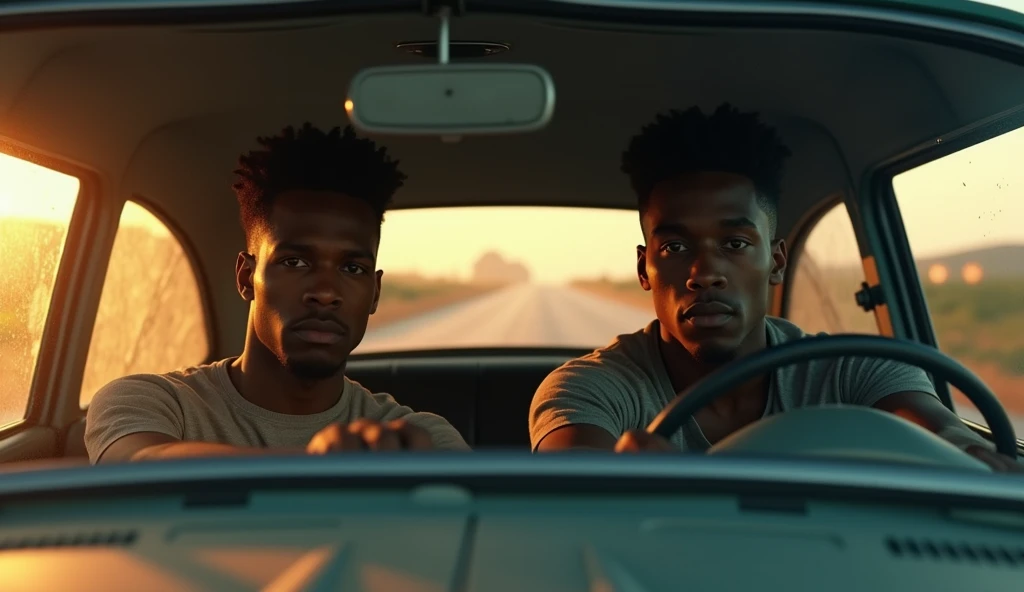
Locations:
739 222
293 246
676 228
670 228
360 254
357 253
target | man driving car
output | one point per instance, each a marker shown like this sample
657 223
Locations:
312 204
707 188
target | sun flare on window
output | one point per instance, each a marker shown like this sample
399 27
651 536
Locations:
36 205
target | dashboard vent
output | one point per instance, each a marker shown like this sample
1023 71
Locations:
116 538
949 551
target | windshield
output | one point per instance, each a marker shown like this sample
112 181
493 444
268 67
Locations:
199 247
478 277
1010 4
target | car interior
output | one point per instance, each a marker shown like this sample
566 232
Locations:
149 108
159 113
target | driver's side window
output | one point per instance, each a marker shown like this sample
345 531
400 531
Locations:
964 218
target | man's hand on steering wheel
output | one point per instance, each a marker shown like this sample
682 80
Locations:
641 441
917 407
367 435
998 462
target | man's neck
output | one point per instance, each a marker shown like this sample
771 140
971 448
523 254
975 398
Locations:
260 378
684 370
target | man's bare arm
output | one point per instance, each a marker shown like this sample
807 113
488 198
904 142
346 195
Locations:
577 437
928 412
358 436
156 446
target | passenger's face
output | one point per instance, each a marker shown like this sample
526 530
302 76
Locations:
710 263
313 283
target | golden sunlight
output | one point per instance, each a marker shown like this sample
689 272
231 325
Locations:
34 192
36 205
972 273
938 274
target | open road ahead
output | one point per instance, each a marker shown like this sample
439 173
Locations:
520 315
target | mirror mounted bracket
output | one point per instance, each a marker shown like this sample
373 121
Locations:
445 10
449 100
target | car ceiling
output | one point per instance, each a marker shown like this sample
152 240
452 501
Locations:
163 112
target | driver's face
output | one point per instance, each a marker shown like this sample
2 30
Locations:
314 283
710 263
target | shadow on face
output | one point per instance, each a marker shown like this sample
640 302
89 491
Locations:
314 281
710 262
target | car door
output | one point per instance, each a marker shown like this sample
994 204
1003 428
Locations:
94 290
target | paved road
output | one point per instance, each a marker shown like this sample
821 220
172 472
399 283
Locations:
527 315
520 315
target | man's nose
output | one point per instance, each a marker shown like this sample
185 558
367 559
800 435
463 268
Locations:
706 273
323 292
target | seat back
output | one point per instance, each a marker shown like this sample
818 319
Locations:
486 398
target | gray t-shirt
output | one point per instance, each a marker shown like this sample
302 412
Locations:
625 385
201 404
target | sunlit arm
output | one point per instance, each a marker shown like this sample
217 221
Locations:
928 412
156 446
577 437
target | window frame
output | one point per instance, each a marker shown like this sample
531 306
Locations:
69 303
888 242
191 254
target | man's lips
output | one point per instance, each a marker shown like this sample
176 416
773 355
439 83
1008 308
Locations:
708 314
319 332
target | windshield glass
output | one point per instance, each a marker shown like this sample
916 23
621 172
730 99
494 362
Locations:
1016 5
482 277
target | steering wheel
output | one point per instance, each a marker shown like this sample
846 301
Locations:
679 411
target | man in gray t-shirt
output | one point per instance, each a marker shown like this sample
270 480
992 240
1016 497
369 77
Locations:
707 188
311 203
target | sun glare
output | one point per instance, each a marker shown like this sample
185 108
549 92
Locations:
53 194
972 273
938 274
34 193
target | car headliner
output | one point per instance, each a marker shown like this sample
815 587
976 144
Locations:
162 112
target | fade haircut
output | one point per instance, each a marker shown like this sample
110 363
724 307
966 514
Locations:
314 160
727 141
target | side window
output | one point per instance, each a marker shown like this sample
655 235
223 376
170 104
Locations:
151 316
36 204
964 218
826 276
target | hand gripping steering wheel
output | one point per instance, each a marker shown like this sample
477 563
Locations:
679 411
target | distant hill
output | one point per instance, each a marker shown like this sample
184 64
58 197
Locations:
1004 261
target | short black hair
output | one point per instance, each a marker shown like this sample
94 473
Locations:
309 158
728 141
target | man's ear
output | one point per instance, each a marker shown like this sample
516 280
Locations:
245 267
376 291
780 258
641 267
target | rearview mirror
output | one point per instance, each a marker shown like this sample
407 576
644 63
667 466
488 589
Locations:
451 99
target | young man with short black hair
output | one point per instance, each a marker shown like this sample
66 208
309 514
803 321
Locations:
312 204
707 188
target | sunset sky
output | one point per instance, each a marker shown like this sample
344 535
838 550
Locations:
970 199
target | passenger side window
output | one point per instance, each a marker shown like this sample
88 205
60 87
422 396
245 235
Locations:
827 274
36 204
151 317
964 218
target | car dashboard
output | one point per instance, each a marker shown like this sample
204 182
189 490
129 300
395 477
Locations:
497 522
